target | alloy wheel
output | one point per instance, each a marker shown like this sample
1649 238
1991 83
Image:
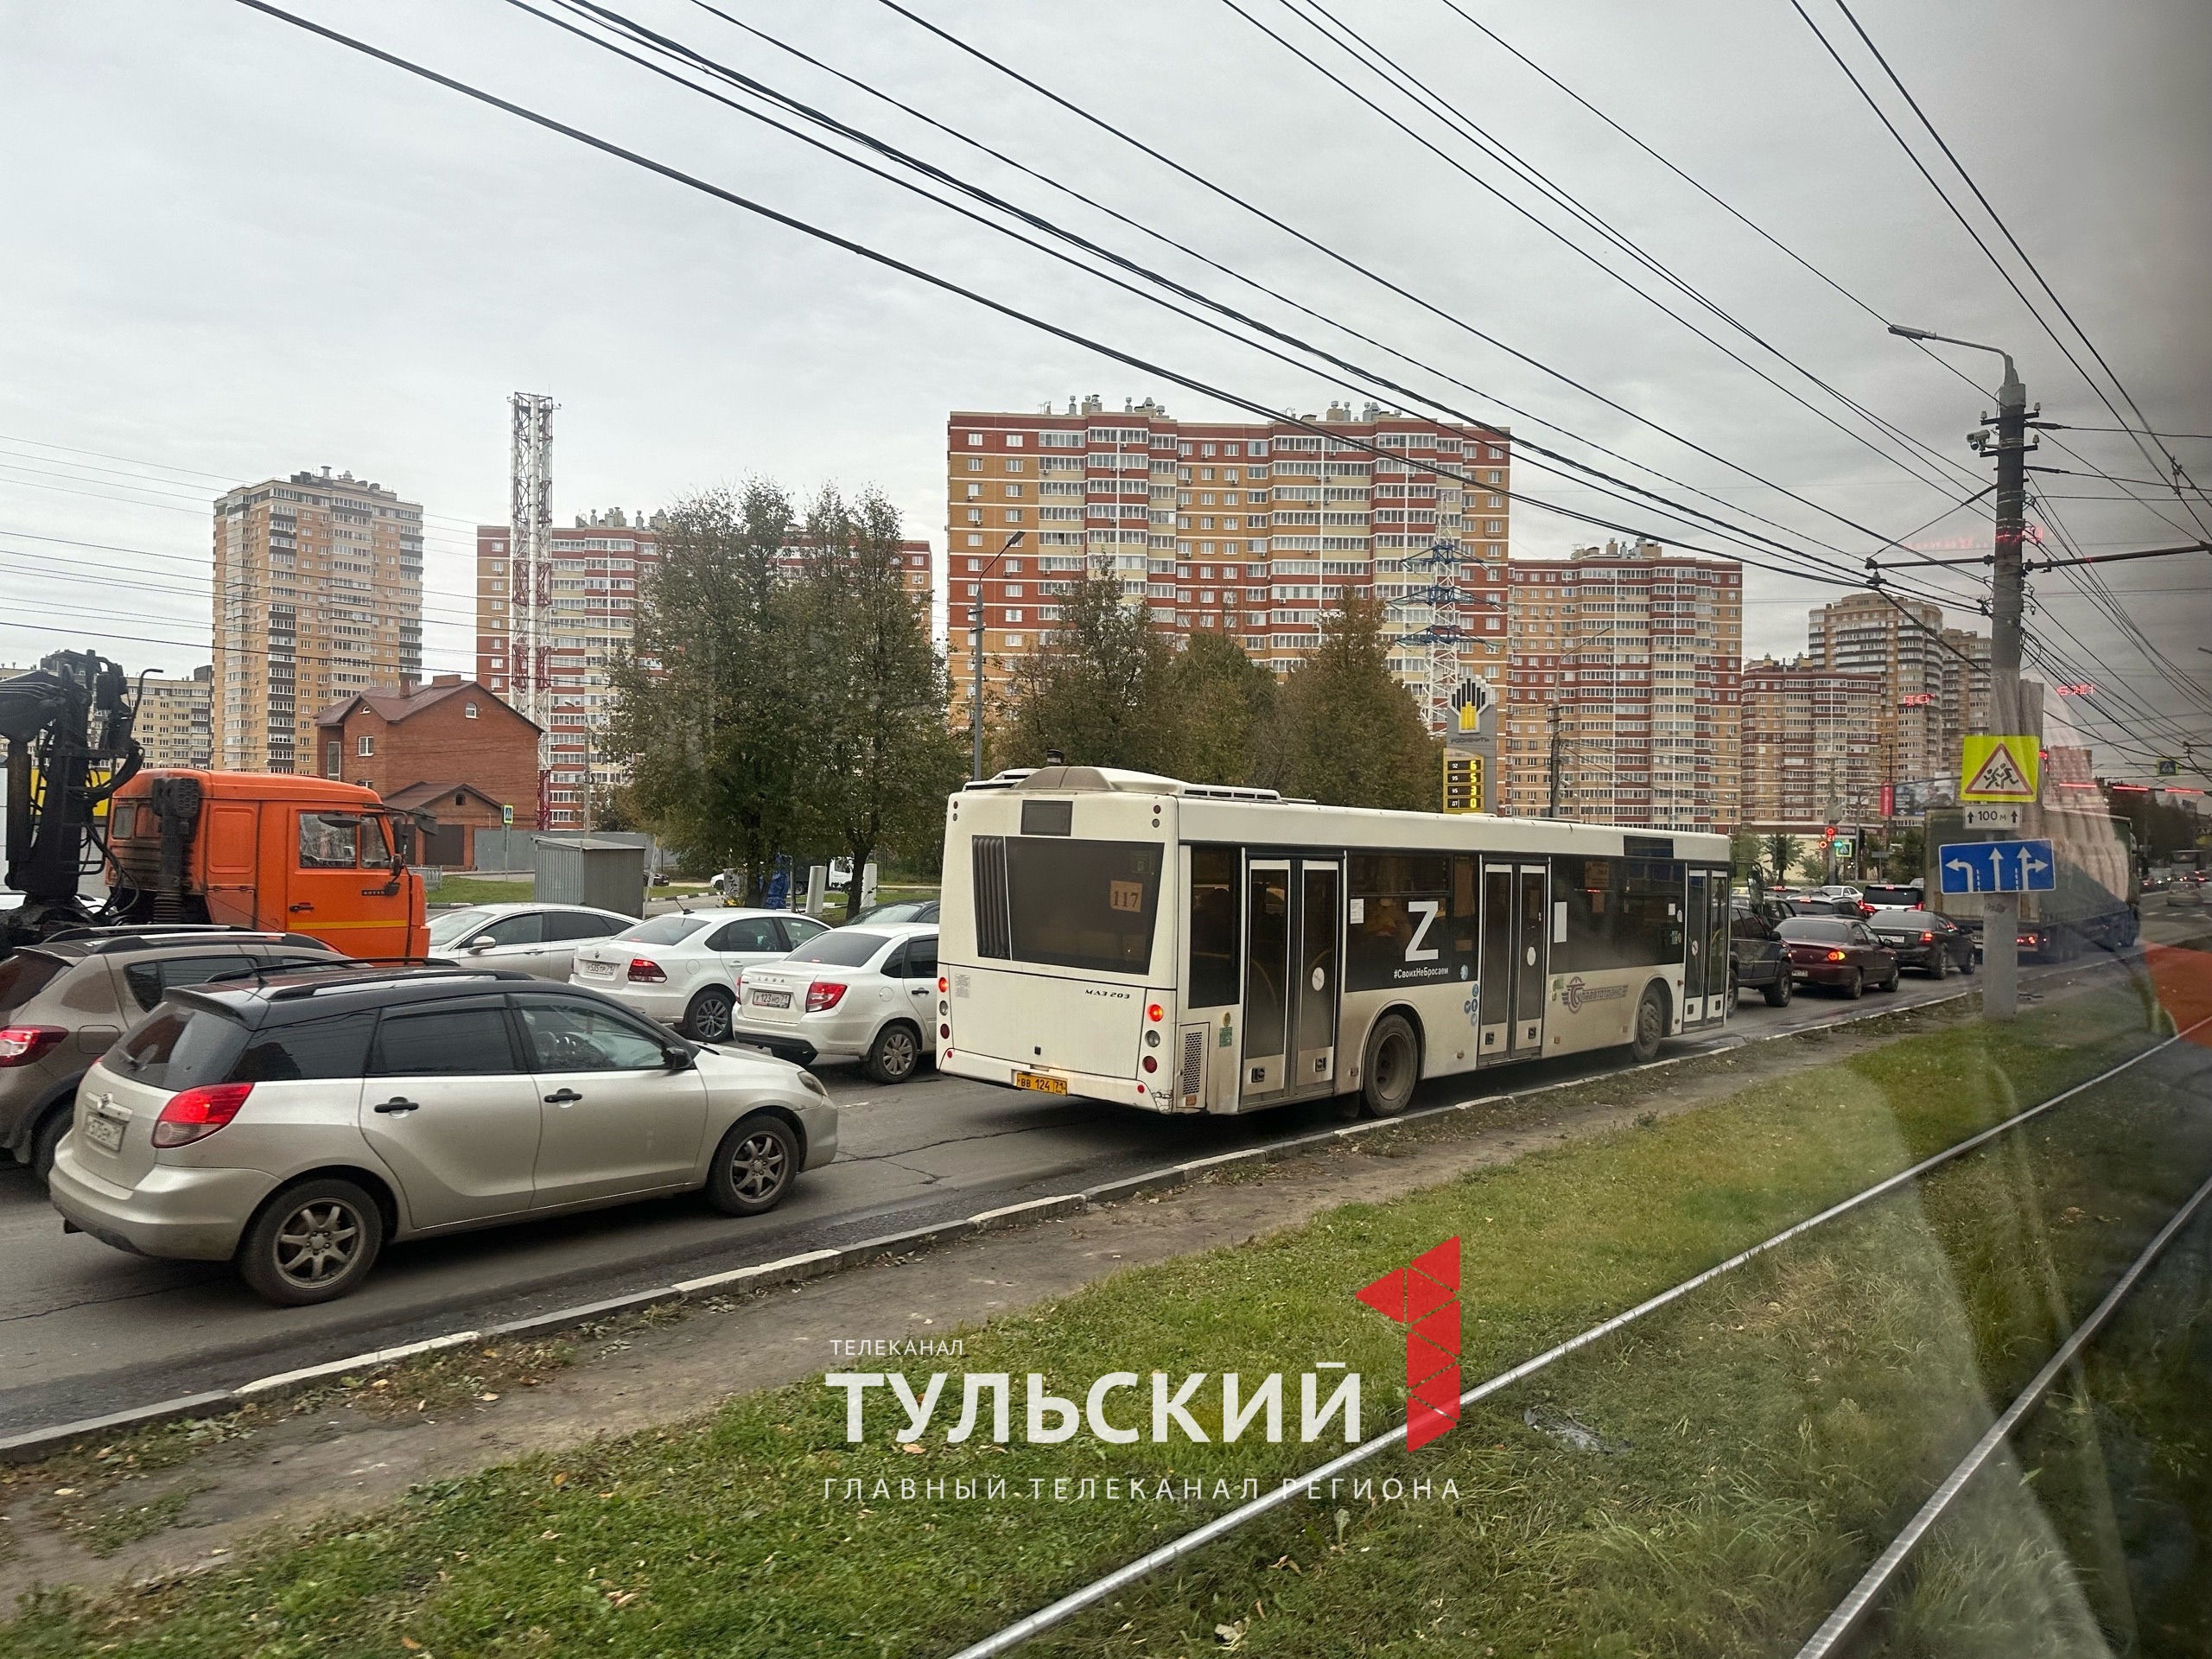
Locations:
318 1242
760 1167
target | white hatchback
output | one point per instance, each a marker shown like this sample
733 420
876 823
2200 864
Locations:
866 994
682 968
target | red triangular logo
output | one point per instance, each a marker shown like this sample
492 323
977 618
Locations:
1441 1328
1387 1296
1441 1264
1424 1359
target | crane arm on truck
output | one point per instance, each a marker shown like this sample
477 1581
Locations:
68 728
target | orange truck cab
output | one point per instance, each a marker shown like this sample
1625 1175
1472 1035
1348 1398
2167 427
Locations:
266 850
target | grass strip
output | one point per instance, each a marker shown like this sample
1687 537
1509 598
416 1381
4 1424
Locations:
717 1538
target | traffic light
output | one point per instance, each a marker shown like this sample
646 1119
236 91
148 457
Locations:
1462 781
1828 836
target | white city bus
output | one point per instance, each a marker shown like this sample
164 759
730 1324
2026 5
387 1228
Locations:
1189 948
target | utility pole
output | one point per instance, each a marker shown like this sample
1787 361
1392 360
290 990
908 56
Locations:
1552 811
2000 912
976 650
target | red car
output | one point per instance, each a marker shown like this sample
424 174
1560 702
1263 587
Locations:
1840 953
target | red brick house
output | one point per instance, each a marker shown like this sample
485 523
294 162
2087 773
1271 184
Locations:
449 753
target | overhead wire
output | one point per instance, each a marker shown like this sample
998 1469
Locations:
1370 380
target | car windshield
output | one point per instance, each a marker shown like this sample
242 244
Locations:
457 924
1808 931
672 929
840 948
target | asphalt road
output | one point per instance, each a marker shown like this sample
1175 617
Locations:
86 1330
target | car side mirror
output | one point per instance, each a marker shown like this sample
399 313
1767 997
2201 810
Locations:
678 1060
482 942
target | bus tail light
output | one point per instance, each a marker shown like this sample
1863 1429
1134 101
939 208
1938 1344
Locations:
1151 1063
1155 1013
942 985
824 994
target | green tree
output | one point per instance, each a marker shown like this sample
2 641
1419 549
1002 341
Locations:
1743 851
1345 732
1908 854
1223 702
876 758
1096 689
702 701
1781 852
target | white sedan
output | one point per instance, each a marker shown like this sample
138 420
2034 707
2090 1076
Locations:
682 968
866 994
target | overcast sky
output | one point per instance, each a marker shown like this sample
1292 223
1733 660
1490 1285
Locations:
230 249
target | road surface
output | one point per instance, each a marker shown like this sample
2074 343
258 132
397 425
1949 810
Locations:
86 1330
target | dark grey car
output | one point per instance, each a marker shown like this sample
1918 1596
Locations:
63 1004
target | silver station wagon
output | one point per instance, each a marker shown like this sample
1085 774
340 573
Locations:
297 1123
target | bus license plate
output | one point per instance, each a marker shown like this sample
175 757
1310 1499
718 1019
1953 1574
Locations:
104 1132
1042 1085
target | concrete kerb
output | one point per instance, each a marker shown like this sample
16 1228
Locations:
814 1264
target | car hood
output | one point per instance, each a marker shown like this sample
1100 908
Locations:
738 1067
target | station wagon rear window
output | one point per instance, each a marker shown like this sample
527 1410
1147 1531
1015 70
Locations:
178 1048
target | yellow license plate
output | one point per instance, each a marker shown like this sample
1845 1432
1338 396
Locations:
1042 1085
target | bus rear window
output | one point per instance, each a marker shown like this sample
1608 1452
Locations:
1078 904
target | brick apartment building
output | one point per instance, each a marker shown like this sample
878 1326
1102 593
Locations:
1250 528
1626 662
1812 745
448 753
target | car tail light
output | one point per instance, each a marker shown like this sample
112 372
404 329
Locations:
823 995
198 1113
1927 938
1838 956
645 971
21 1045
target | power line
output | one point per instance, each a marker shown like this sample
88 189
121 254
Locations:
932 279
1350 264
1396 75
640 35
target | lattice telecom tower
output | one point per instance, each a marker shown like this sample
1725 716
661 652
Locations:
530 522
1440 685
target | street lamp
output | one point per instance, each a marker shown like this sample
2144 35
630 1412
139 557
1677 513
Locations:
975 647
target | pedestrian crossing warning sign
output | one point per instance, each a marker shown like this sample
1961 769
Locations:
1998 768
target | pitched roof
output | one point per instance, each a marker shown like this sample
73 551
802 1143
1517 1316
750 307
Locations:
420 797
395 705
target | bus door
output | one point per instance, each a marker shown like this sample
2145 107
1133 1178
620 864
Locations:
1695 967
1292 910
1516 944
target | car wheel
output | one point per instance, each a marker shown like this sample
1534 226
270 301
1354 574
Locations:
1390 1071
1940 968
1896 978
1855 987
1650 1025
1966 966
894 1055
312 1242
754 1167
1777 995
708 1019
46 1139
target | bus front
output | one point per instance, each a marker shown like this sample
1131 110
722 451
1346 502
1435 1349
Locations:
1055 946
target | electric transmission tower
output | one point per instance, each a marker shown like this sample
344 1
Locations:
530 498
1439 567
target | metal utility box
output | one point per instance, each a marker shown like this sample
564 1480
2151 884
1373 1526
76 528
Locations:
604 875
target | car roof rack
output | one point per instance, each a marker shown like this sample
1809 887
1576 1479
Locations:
405 970
110 941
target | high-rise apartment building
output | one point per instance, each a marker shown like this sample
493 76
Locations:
1251 529
176 724
595 568
318 594
1812 750
1935 679
1964 668
1625 664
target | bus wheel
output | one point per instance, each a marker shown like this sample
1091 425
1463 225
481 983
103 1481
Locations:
1392 1068
1650 1025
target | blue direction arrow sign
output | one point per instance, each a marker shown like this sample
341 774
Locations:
1997 866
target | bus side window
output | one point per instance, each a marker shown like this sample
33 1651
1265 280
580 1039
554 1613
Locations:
1216 968
1465 913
